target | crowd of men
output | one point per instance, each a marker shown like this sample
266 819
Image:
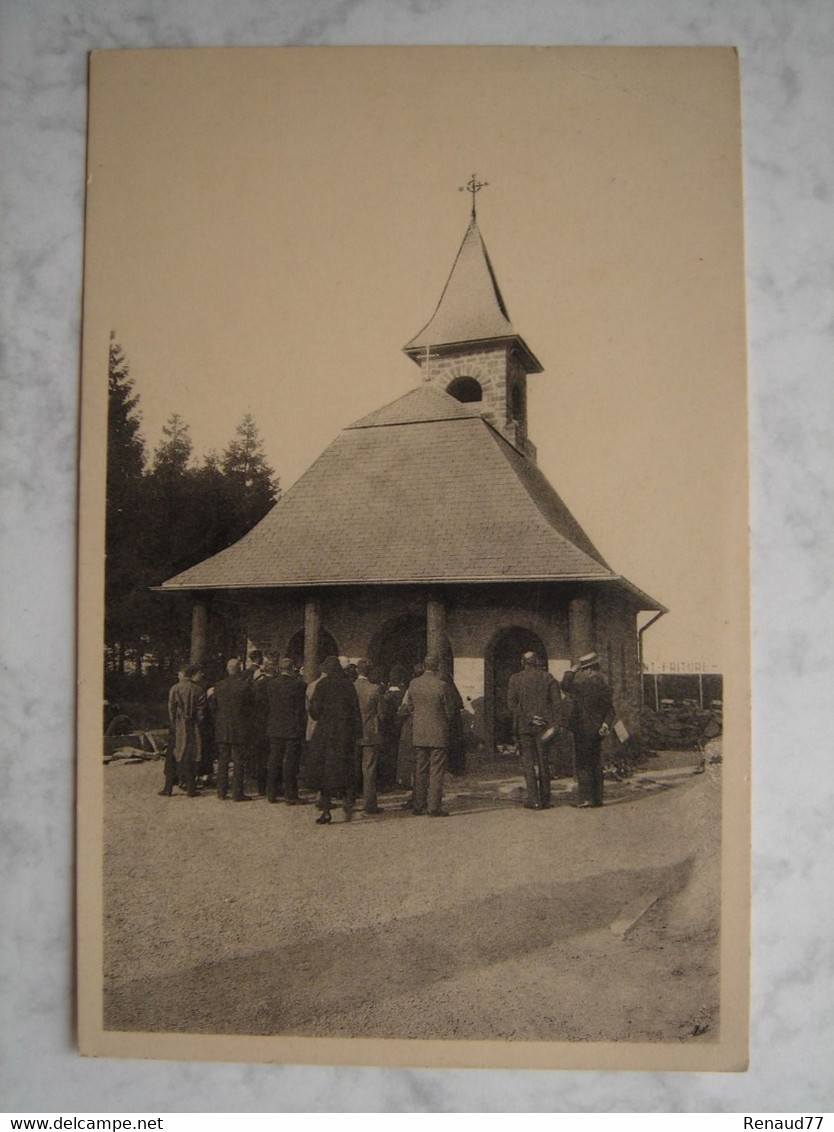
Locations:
352 734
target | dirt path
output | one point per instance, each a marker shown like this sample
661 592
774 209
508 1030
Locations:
493 923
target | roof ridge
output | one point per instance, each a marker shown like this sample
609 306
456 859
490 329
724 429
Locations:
522 466
441 406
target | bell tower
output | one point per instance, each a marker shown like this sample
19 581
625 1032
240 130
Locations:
469 348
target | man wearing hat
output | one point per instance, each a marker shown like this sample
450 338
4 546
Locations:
591 718
534 700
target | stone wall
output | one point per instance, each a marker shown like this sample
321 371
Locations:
616 636
475 619
503 381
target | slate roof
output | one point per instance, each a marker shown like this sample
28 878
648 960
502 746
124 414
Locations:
423 490
471 308
424 403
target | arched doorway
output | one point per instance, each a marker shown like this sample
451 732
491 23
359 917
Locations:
402 641
295 648
503 658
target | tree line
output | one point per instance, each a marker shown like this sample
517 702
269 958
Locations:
163 515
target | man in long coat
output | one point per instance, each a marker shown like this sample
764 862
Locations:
286 725
371 738
456 762
534 700
331 754
186 708
390 723
591 718
233 705
432 705
259 738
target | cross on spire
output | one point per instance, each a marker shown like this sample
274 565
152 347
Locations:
473 186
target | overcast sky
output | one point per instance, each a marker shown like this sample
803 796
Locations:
268 229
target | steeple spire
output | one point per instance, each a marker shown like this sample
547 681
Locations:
470 349
471 307
473 186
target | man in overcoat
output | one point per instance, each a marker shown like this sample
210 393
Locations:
186 709
286 725
390 724
369 701
534 700
591 717
432 705
233 706
331 753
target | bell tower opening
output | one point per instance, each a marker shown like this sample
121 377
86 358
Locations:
470 349
517 404
465 389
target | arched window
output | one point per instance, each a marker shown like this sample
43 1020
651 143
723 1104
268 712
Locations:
465 389
327 646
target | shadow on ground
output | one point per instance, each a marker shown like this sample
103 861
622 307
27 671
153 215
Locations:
293 987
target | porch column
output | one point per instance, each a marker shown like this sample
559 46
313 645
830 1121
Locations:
312 627
435 628
199 632
580 627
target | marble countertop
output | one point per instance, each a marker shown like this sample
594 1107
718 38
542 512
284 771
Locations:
786 52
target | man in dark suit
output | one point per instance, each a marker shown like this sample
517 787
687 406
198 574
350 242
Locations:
369 697
534 700
591 718
233 706
286 725
429 699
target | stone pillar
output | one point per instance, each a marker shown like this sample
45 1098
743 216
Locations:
199 632
312 625
435 628
580 626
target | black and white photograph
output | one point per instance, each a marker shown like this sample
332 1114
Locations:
414 661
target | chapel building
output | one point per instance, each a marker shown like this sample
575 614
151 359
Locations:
427 526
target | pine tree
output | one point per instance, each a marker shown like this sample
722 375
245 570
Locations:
251 486
174 506
173 454
125 467
125 447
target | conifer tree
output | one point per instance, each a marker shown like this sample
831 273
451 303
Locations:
251 486
125 467
173 454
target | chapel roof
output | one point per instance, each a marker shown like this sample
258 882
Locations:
425 490
471 307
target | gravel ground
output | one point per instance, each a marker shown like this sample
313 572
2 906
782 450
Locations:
491 924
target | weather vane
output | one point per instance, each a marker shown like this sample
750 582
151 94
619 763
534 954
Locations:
473 186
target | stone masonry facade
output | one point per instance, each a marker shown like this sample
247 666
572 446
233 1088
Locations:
498 370
356 620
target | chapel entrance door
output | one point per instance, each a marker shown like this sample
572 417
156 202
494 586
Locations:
402 641
295 647
502 660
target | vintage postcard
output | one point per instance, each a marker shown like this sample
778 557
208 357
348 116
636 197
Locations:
413 585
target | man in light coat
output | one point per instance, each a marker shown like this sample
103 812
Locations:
431 703
186 709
